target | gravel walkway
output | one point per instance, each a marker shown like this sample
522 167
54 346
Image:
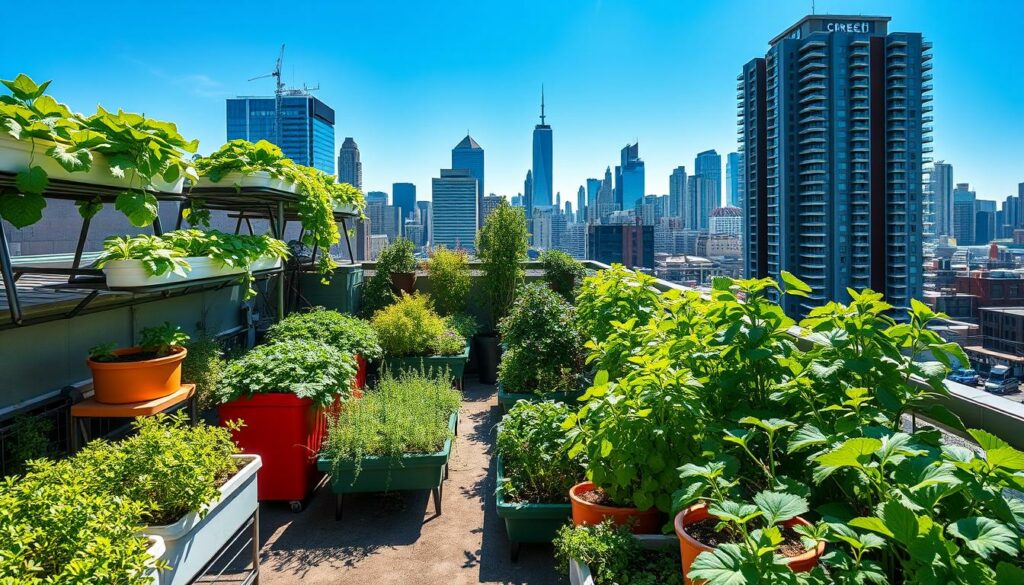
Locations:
391 539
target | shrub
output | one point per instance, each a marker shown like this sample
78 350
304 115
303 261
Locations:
615 556
404 414
308 369
395 257
544 344
410 327
449 280
615 294
562 272
203 366
466 325
533 447
501 245
344 332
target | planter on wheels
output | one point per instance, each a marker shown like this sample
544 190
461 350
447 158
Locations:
412 471
193 541
509 399
488 349
455 364
136 381
690 547
286 432
404 282
583 512
528 521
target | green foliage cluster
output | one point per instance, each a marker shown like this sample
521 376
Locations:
159 339
410 327
501 246
543 344
400 415
615 557
449 280
307 368
170 252
464 324
138 149
29 439
347 333
534 452
203 366
562 272
377 290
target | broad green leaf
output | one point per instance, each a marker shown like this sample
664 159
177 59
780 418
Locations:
32 180
987 440
22 210
900 520
71 159
985 536
873 524
852 453
23 88
1008 574
89 209
806 436
1005 457
794 285
726 565
778 506
730 511
139 206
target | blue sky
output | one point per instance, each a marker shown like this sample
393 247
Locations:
407 79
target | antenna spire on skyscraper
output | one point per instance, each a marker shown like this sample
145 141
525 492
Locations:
542 104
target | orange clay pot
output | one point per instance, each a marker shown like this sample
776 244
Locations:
583 512
125 382
690 547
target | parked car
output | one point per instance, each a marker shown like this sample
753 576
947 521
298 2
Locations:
1001 382
964 376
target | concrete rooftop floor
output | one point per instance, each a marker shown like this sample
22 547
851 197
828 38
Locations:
391 539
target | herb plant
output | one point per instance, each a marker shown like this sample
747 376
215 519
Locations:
449 280
377 290
544 345
162 339
562 272
464 324
309 369
615 557
534 451
400 415
615 294
410 327
344 332
501 246
203 366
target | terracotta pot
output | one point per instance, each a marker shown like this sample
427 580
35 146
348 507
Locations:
583 512
690 547
125 382
404 282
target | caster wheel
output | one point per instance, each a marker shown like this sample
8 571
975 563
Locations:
295 505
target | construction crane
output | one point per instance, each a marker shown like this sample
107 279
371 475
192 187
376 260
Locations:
278 94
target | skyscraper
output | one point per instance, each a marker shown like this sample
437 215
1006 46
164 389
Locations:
491 202
833 123
403 196
427 221
629 178
581 204
528 195
941 187
631 244
733 185
1011 217
676 191
543 181
964 214
605 197
707 172
350 168
470 156
984 221
455 212
306 132
593 188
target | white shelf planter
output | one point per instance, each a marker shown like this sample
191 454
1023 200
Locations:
347 208
257 180
579 574
192 542
18 155
156 551
126 274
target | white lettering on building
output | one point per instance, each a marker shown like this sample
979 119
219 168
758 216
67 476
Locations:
850 27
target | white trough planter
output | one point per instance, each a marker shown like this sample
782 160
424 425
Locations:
126 274
192 542
347 208
156 551
18 155
579 574
257 180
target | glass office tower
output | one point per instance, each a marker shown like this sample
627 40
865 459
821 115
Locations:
469 155
542 186
306 133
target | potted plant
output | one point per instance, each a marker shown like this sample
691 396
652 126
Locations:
58 527
398 437
414 337
562 272
501 246
43 139
448 271
346 333
606 554
145 372
194 489
534 472
397 261
281 392
543 349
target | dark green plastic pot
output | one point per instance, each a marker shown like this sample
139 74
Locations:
508 399
456 364
526 522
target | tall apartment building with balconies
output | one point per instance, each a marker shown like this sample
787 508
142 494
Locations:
834 127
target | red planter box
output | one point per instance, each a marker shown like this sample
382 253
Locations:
360 381
287 432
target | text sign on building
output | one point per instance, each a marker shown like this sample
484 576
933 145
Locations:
864 26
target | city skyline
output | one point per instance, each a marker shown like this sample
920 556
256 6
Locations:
405 109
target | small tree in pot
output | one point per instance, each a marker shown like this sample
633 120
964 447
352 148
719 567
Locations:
395 273
562 272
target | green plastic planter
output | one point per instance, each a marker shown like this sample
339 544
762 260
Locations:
456 364
508 399
525 522
414 471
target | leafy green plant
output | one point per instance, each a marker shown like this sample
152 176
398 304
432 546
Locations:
615 557
562 272
410 327
162 339
501 246
29 439
544 345
203 366
169 467
400 415
345 332
615 295
534 451
466 325
306 368
377 290
449 280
